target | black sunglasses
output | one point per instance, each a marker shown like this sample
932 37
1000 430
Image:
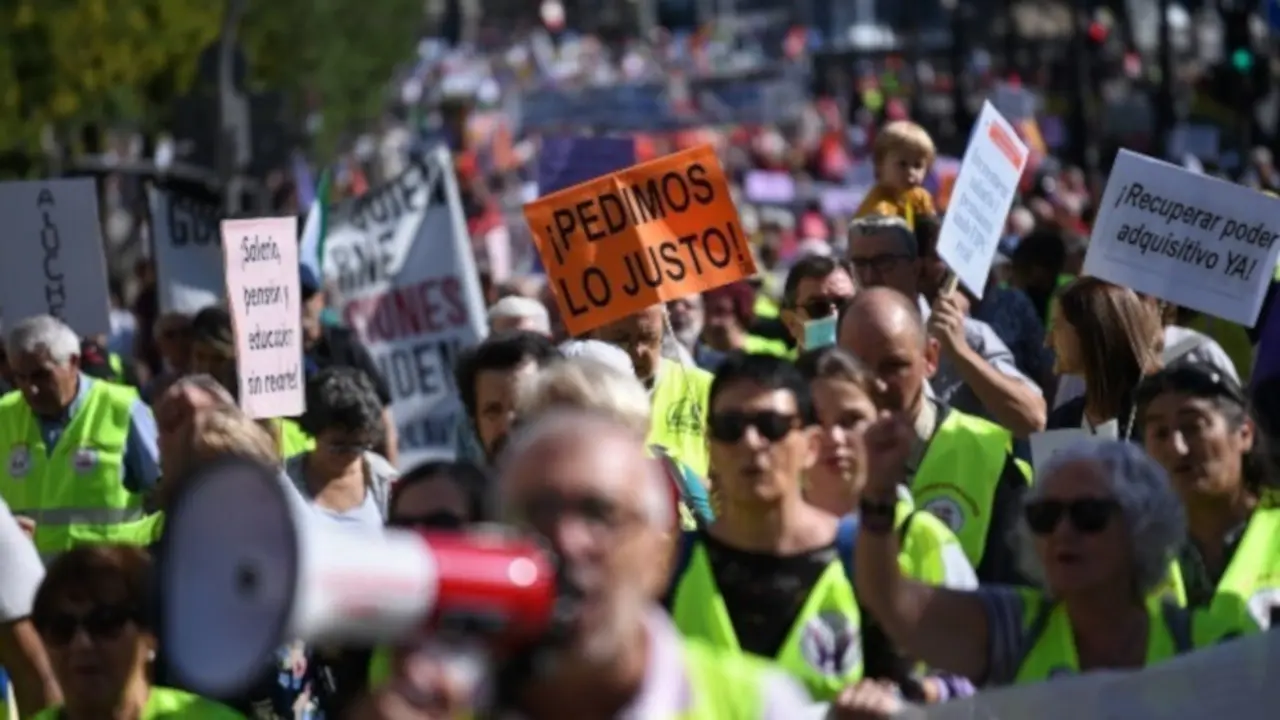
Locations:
439 520
824 306
101 623
1192 380
730 427
1088 515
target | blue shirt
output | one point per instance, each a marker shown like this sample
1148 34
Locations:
141 466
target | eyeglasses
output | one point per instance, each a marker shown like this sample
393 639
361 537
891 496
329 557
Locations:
878 263
821 307
1192 380
439 520
1087 515
101 623
730 427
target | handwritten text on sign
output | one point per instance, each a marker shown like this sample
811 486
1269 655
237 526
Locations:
261 258
652 233
1192 240
980 199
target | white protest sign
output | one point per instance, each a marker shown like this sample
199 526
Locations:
1189 239
980 199
261 257
52 260
187 249
403 276
1044 445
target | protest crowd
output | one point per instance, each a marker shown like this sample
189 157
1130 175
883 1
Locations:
723 421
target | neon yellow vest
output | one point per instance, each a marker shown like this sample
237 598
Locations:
959 474
142 532
76 495
1252 576
1054 652
765 307
757 345
293 439
830 613
679 421
1232 338
117 367
169 704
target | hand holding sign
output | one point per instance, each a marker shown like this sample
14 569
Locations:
649 234
261 257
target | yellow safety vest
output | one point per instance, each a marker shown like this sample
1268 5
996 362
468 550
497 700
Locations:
765 308
1174 630
959 474
724 686
824 647
1252 579
757 345
116 364
293 439
168 704
678 423
76 494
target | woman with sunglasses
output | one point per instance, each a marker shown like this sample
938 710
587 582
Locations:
92 614
1099 529
343 478
1197 425
1109 337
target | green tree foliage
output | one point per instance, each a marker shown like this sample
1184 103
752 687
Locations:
68 62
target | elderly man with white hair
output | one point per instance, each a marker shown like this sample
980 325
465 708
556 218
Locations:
516 312
78 453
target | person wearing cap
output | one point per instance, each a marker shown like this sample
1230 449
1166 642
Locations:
80 453
515 312
326 346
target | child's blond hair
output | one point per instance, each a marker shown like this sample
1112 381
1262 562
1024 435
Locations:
902 136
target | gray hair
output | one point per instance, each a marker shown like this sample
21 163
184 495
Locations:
885 225
599 351
575 424
343 398
1152 511
516 307
44 333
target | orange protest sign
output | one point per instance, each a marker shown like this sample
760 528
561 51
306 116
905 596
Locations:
652 233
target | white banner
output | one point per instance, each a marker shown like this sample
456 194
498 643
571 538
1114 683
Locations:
52 260
400 269
187 249
1195 241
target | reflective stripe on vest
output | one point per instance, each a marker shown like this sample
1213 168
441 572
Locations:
679 419
958 476
1050 649
823 650
78 487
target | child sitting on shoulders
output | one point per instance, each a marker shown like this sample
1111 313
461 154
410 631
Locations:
903 153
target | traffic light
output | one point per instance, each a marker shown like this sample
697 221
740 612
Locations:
1242 60
1238 43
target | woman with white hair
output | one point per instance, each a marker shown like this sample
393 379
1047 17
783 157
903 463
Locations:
594 379
1099 529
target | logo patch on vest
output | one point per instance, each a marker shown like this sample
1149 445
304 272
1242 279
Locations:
831 644
685 418
1261 603
84 460
948 511
19 461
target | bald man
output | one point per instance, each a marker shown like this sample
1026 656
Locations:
604 510
961 467
678 389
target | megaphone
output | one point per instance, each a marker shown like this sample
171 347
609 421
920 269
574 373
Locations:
246 566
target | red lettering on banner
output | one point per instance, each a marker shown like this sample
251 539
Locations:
1005 144
430 306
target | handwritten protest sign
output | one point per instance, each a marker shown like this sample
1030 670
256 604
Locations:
51 259
403 277
187 250
652 233
1189 239
261 256
980 199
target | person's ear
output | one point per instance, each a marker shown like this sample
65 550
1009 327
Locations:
794 324
932 352
1247 434
813 446
73 362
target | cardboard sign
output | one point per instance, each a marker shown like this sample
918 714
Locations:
51 259
403 277
650 234
1189 239
1044 445
980 199
187 248
261 257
